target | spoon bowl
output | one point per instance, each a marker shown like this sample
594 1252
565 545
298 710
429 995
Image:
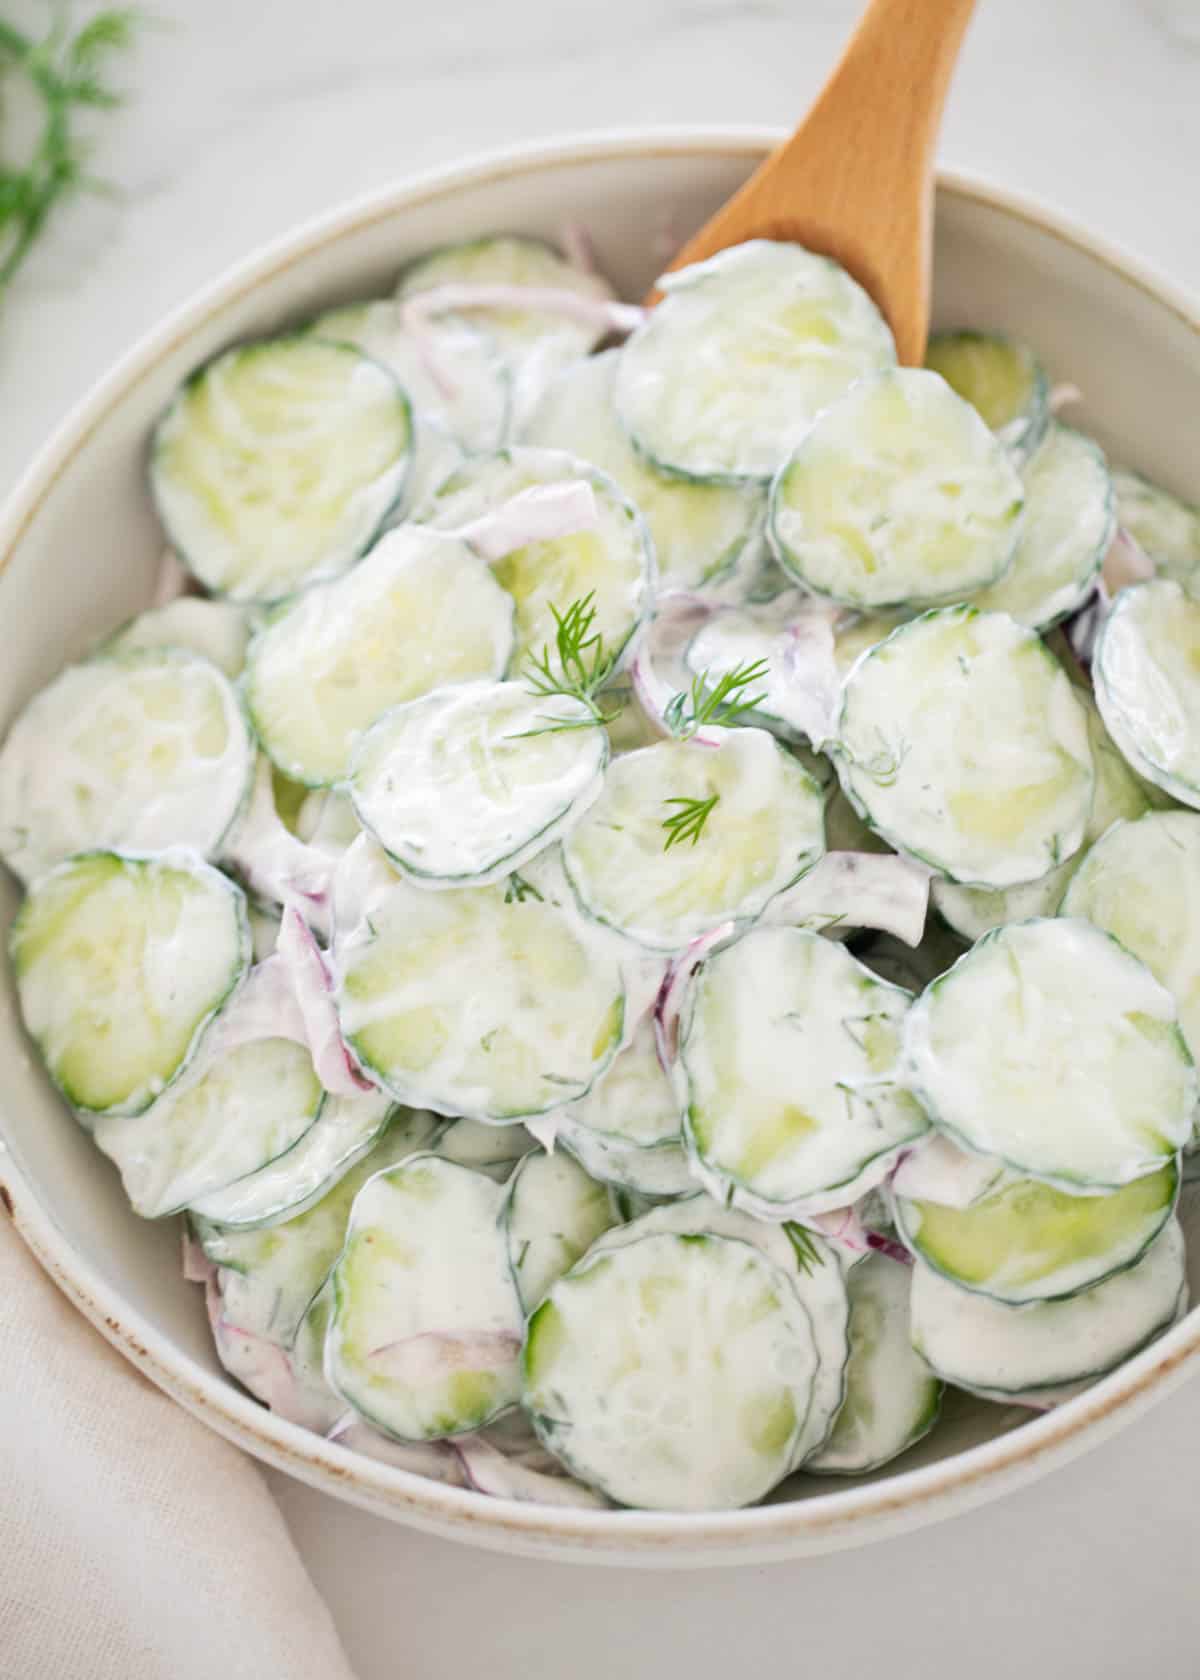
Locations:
855 180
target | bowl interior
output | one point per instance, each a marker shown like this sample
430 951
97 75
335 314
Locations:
80 546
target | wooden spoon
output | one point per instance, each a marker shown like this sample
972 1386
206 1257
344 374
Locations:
855 181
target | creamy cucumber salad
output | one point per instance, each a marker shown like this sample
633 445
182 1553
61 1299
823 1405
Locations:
638 885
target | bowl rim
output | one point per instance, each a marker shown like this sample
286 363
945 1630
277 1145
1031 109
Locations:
820 1521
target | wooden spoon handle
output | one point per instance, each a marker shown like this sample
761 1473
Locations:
856 179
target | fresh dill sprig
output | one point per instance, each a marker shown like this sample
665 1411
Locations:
583 663
578 666
688 822
720 703
518 889
803 1247
68 73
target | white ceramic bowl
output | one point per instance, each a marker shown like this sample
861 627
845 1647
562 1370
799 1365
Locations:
78 548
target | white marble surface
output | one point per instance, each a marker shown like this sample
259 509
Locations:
249 115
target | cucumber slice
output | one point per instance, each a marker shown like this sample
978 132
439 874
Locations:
553 1213
762 831
1026 1241
897 495
470 1002
974 911
1167 528
1002 379
674 1373
789 1049
452 374
465 784
793 637
626 1131
143 751
270 1275
729 371
121 963
278 463
804 1257
1000 1350
699 530
421 611
962 742
1141 883
613 564
344 1131
891 1399
216 630
427 1325
1069 524
1146 668
514 260
1052 1047
234 1111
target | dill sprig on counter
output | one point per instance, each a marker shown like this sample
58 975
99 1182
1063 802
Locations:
68 71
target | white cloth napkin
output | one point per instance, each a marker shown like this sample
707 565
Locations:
134 1543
